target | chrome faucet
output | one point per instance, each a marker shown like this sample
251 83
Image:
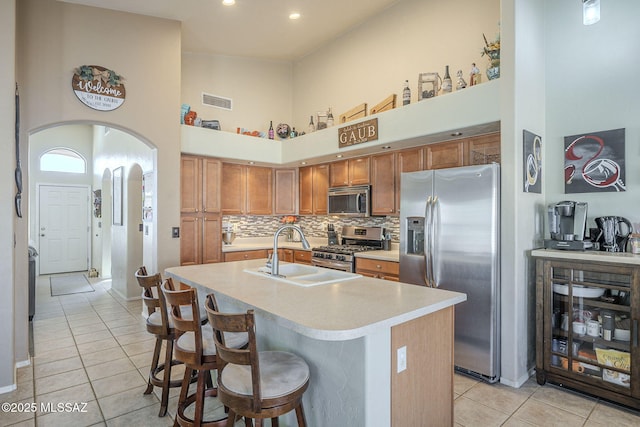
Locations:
274 258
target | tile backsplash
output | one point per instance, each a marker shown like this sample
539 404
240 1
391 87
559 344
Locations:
313 226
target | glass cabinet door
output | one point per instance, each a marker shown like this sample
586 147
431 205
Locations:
591 322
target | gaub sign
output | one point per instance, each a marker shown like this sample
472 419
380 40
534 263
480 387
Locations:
358 133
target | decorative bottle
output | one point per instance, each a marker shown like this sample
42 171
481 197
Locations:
406 93
312 127
447 84
271 134
329 118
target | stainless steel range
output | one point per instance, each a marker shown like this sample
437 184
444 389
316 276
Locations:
354 239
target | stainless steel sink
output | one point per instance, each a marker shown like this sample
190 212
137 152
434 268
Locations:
304 275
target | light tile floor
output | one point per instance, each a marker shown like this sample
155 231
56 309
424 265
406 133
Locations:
93 348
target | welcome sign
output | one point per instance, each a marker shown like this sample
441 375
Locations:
98 87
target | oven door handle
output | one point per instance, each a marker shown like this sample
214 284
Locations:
329 264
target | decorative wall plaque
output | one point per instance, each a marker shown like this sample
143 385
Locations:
357 134
98 88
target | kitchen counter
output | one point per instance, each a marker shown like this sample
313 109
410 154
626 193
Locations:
393 255
349 333
600 256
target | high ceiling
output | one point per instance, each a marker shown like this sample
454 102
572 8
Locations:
254 28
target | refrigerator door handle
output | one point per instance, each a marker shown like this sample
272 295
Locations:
432 241
427 237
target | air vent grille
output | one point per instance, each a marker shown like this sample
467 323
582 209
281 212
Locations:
217 101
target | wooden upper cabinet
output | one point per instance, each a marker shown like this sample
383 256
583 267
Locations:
211 178
233 189
383 191
349 172
484 149
305 190
259 191
445 155
190 185
410 160
320 189
246 190
339 173
285 192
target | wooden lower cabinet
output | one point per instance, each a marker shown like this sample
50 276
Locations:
573 295
387 270
284 254
301 256
245 255
200 239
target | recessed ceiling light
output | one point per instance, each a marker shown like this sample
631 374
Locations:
294 15
339 156
303 163
386 147
252 163
456 134
228 2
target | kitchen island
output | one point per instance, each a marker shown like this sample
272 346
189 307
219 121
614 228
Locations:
349 332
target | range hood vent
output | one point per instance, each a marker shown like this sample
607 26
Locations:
217 101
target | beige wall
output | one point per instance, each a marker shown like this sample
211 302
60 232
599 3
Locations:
373 61
53 39
260 90
10 315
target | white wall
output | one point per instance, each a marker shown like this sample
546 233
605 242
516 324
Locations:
592 85
14 293
373 61
260 89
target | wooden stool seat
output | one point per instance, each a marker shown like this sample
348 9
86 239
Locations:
255 384
158 324
196 348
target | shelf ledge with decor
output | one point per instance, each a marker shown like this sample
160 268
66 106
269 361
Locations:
471 111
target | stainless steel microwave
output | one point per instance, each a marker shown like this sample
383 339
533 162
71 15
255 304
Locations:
350 201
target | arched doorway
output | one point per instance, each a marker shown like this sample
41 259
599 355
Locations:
106 149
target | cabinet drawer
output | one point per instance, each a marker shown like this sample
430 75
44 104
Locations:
375 265
302 257
244 255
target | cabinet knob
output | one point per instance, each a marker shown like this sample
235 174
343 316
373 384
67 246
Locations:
378 266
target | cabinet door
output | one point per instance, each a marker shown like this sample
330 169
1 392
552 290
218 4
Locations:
190 237
233 189
320 189
211 239
359 171
211 177
339 173
383 191
411 160
590 319
190 185
484 149
259 191
305 180
285 192
445 155
302 257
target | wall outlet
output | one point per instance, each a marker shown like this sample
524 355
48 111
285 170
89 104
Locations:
402 358
175 232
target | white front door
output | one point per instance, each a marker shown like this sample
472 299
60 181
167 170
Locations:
64 228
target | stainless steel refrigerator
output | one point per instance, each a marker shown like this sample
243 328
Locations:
450 239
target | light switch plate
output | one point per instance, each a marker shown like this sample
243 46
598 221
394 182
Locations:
402 358
175 232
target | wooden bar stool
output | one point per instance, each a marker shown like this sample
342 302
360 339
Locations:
255 385
160 325
196 349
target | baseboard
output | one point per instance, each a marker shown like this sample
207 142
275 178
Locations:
8 388
23 363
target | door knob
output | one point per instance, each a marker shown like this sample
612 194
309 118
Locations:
42 235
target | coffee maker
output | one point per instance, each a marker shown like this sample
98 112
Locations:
567 225
614 233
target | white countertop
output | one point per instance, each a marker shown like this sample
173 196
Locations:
332 312
600 256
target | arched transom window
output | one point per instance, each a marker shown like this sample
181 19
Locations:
62 160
